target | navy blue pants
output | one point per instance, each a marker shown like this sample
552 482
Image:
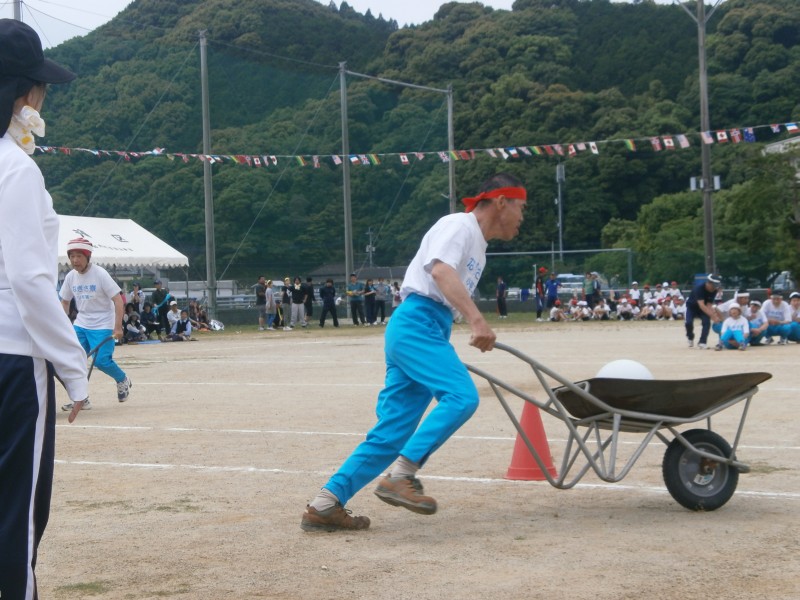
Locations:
705 323
27 451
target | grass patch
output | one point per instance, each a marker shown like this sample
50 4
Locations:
92 588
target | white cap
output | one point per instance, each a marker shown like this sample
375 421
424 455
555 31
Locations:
635 283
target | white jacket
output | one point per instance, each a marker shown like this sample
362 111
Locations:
32 320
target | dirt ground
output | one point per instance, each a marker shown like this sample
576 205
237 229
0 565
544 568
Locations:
194 488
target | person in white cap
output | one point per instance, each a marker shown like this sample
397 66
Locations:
100 309
36 337
741 299
634 293
624 310
735 330
701 305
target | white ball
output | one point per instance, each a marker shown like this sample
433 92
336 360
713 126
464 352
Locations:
625 369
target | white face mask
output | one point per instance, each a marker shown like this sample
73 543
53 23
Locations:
24 125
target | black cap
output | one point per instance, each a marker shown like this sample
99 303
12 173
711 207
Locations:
21 55
714 278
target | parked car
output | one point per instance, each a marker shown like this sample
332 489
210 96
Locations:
784 281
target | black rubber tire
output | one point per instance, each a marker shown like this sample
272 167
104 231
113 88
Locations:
682 472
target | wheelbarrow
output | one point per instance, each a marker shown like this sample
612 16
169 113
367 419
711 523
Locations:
700 468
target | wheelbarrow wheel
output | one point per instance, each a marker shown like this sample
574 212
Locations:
695 482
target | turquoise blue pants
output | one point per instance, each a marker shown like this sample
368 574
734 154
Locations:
781 330
794 331
89 339
736 336
421 364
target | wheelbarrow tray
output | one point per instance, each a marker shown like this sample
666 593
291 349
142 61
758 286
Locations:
669 400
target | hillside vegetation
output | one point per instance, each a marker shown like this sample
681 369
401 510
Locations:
549 72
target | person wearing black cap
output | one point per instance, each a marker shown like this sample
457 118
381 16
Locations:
37 338
701 305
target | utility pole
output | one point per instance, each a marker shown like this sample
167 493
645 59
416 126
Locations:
370 247
560 178
705 149
348 218
211 273
17 11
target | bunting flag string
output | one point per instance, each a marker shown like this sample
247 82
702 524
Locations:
568 149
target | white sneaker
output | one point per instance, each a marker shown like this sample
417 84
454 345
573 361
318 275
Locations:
287 328
691 343
87 405
539 320
783 341
701 346
261 329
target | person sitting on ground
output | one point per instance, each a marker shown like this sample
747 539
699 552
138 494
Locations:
678 309
757 321
173 315
601 310
182 328
149 321
664 309
779 316
735 330
794 327
624 310
557 313
740 299
134 330
647 312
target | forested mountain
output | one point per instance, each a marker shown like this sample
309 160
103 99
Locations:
548 73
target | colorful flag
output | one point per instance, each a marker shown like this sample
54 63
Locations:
683 141
364 159
373 158
315 161
736 136
490 152
558 149
525 150
630 145
749 134
257 161
419 155
404 159
336 159
706 135
464 154
775 128
512 151
722 136
536 150
571 150
656 143
354 159
581 146
503 153
669 143
301 161
444 156
549 150
791 127
593 148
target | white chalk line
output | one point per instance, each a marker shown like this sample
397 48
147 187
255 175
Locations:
483 480
484 438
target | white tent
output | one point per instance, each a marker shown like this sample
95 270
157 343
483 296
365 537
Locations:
120 243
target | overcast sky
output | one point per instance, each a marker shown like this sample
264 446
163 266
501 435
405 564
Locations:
60 20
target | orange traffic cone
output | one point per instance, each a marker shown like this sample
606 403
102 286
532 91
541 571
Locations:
523 465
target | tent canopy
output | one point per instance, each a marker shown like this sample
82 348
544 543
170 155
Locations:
118 242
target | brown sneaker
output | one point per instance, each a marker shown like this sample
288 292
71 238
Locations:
406 492
335 518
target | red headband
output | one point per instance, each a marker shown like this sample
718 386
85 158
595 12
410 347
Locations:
512 193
